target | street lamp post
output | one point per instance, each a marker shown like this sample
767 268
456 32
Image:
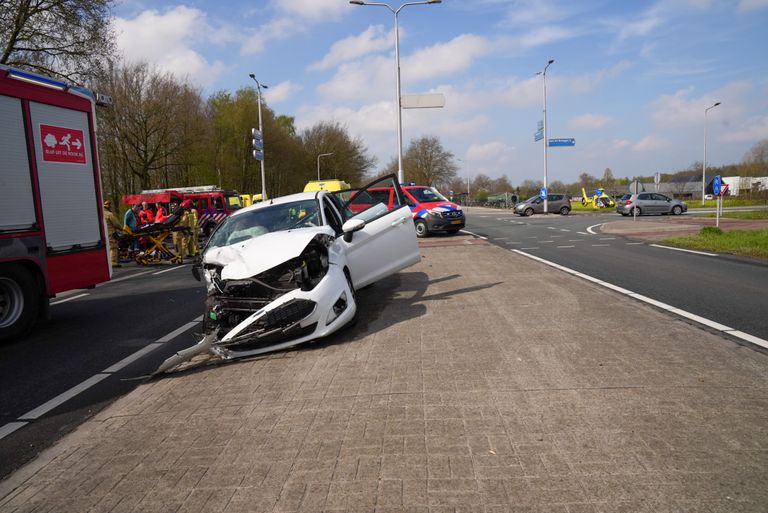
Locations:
396 12
704 164
318 163
259 85
546 141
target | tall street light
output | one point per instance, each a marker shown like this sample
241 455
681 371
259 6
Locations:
259 85
318 163
704 164
546 141
396 12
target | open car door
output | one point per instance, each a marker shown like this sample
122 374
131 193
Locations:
387 241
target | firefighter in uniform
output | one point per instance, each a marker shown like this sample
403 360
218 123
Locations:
192 244
114 226
179 238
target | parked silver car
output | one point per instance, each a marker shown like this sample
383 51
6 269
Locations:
649 203
556 203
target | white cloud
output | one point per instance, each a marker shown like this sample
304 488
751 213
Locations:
373 39
681 109
314 9
752 5
361 81
582 84
281 92
527 12
167 40
544 36
753 131
490 151
278 28
648 143
456 55
620 144
588 121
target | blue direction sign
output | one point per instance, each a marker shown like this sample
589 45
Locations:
562 142
258 155
543 193
538 136
717 185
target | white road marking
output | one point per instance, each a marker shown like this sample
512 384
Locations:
545 241
118 280
171 269
474 234
634 243
501 238
600 245
44 408
68 299
564 230
583 233
10 428
551 228
658 304
607 238
566 246
589 229
527 248
575 240
513 243
63 397
684 250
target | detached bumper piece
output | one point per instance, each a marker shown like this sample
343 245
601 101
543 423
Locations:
281 324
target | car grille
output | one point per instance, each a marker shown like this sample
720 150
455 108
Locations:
451 214
287 314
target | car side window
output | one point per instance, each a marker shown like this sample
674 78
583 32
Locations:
660 197
644 197
368 204
331 216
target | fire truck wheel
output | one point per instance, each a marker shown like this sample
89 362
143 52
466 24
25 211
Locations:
19 301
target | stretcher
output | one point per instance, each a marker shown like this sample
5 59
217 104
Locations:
153 239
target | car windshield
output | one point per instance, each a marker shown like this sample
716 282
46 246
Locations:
532 198
426 194
274 218
234 202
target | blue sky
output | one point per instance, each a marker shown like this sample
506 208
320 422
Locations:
630 81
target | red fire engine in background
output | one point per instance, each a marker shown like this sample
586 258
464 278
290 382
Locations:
52 234
212 203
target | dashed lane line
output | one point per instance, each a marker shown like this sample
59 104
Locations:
583 233
746 337
171 269
600 245
60 399
565 246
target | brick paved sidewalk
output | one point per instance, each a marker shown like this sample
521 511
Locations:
475 381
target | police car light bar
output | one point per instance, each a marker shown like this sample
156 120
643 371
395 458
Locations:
37 79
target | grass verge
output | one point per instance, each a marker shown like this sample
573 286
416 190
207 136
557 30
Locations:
751 243
757 214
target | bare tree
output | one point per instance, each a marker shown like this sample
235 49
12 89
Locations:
350 160
428 163
65 38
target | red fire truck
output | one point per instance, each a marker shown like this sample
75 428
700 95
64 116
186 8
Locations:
212 203
52 235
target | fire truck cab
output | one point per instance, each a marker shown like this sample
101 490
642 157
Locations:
52 233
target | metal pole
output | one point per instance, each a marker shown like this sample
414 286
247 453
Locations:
400 172
318 163
263 151
704 164
546 141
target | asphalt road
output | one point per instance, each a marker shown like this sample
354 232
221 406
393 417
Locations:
727 290
84 338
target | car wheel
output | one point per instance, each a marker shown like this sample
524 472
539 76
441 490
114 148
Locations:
421 229
19 301
677 210
565 211
636 211
528 212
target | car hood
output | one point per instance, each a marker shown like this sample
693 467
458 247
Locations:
249 258
445 206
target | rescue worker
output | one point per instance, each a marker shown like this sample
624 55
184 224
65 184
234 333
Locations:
113 227
146 215
192 223
131 221
180 238
160 213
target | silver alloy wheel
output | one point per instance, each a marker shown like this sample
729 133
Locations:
677 210
11 302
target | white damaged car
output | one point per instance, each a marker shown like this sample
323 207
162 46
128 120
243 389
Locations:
284 271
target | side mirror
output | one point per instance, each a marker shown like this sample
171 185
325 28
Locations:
352 226
197 266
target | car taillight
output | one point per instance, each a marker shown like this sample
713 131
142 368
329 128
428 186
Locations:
629 202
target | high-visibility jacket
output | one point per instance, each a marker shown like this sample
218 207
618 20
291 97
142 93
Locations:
160 216
146 216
